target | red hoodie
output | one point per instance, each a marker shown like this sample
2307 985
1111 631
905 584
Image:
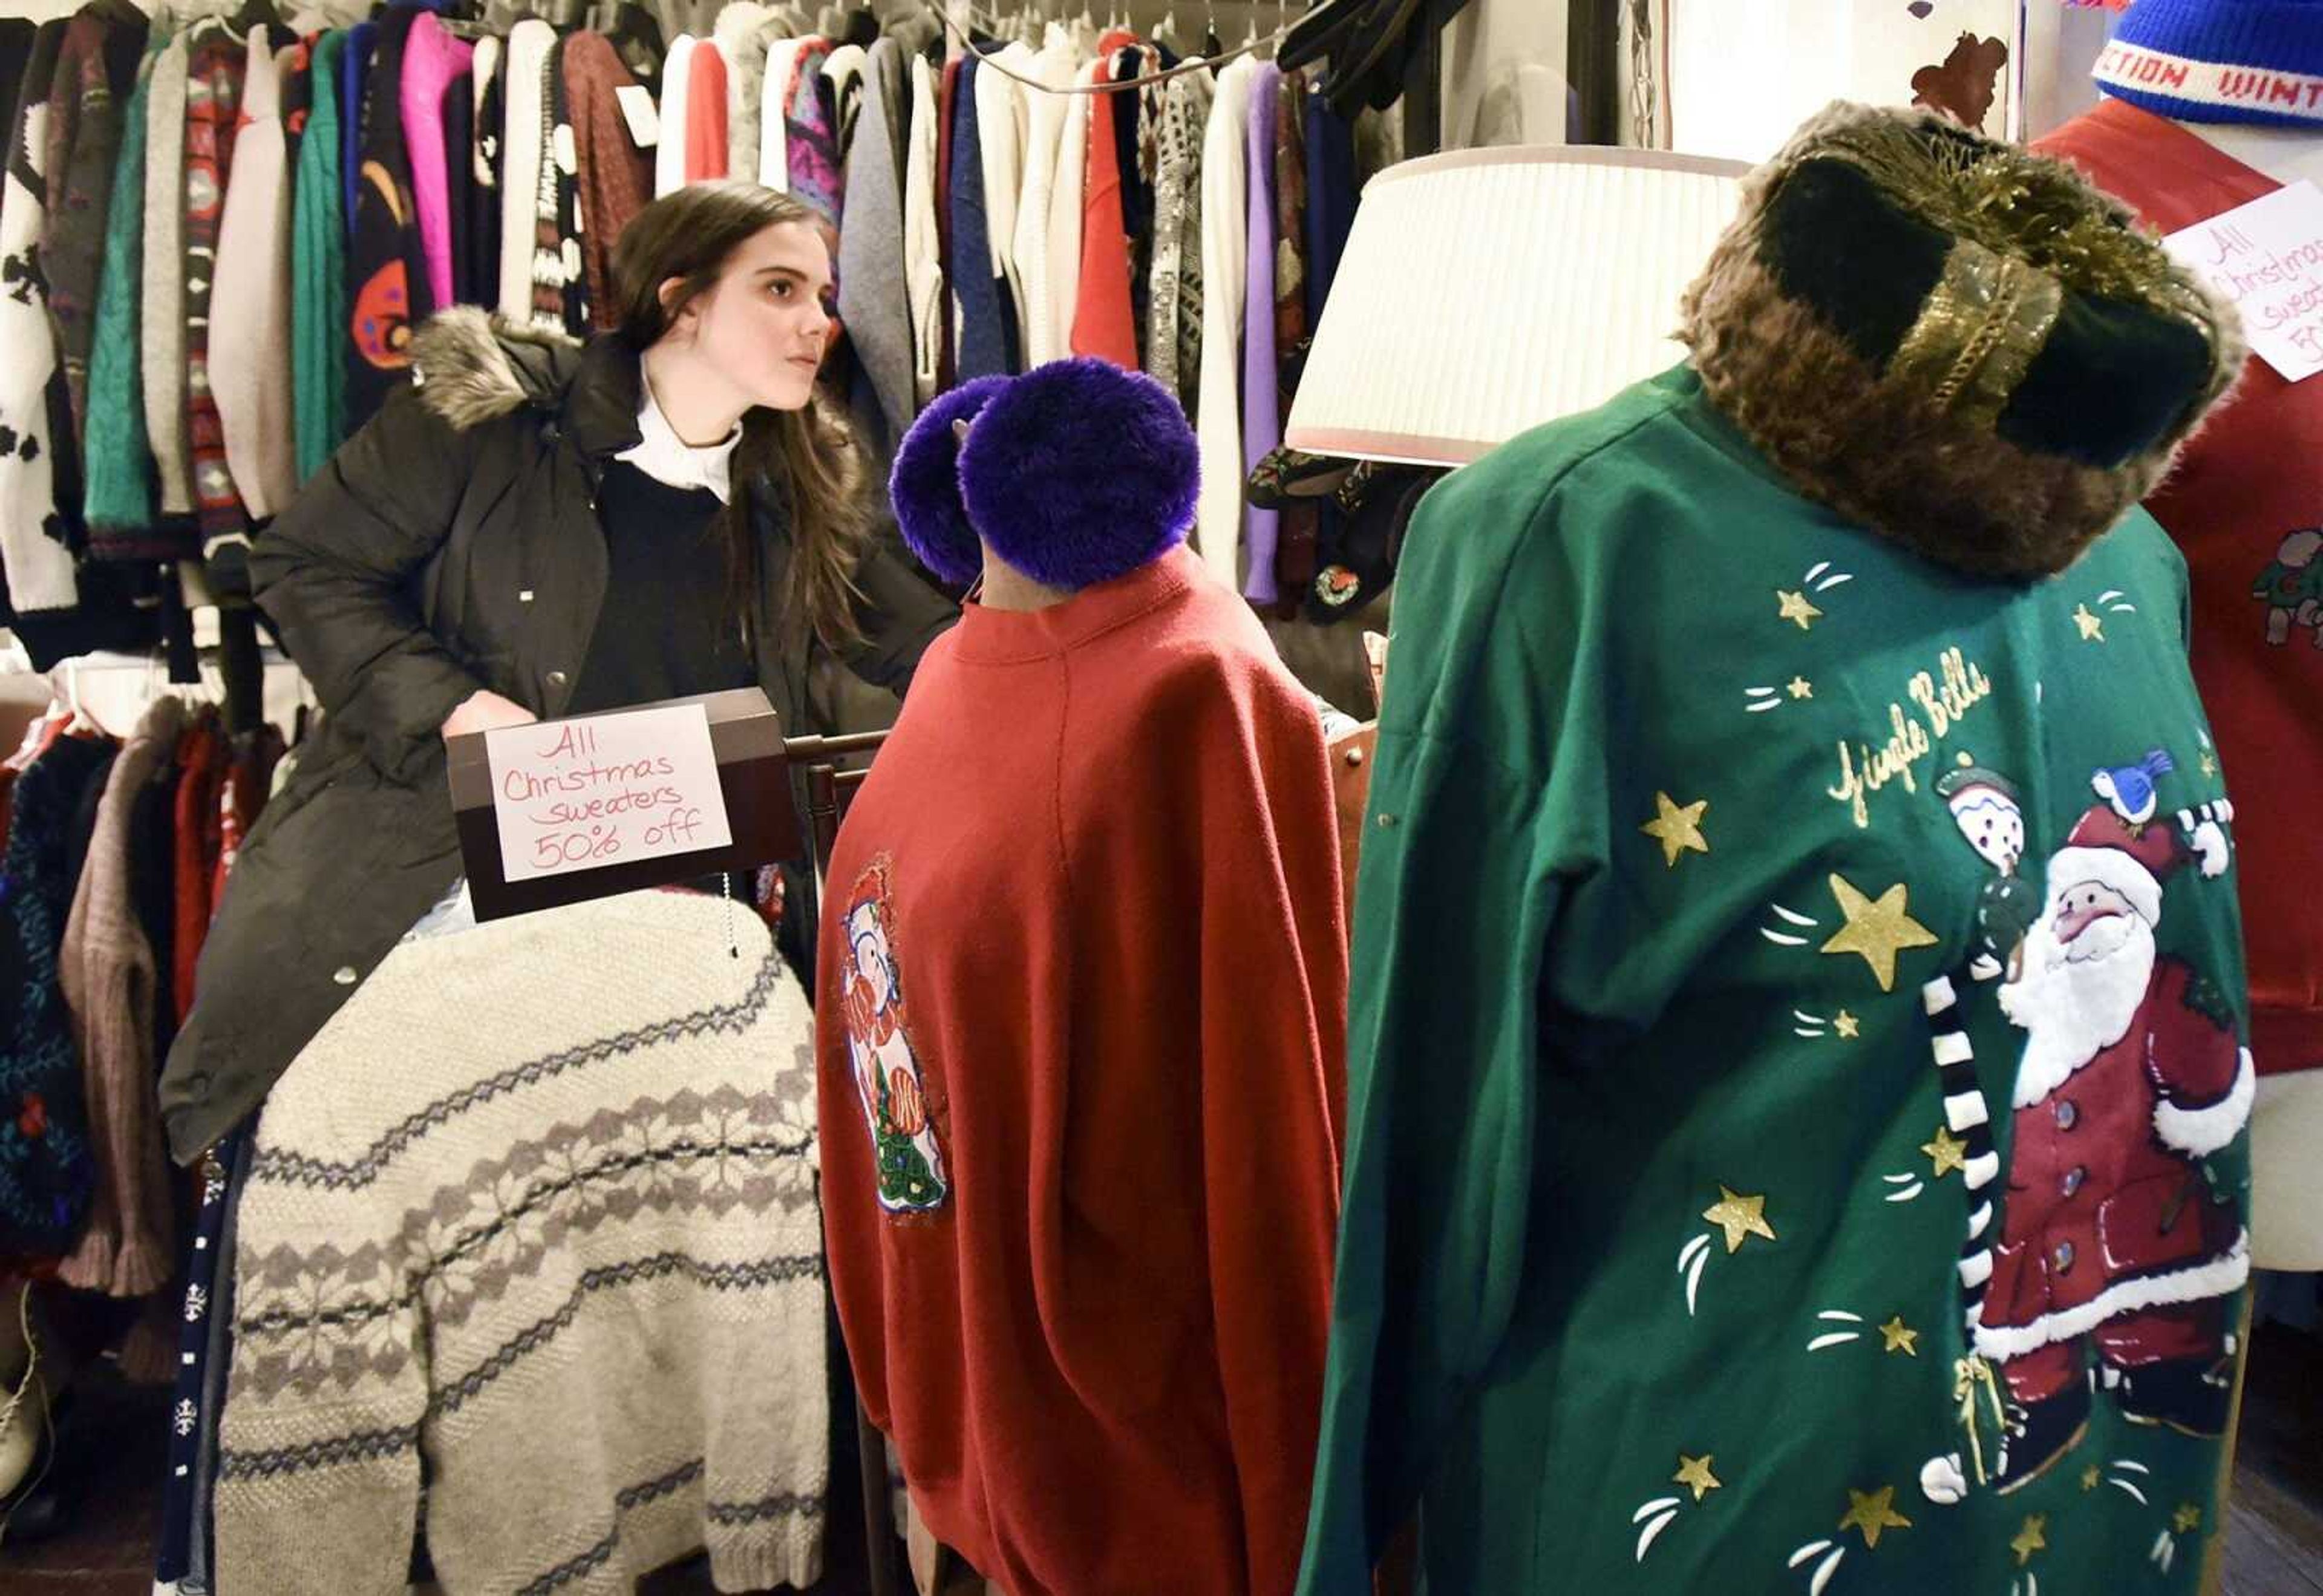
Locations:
2243 503
1080 1030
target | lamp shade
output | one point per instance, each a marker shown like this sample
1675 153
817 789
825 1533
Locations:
1486 291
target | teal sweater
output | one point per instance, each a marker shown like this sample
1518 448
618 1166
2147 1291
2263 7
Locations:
318 271
119 461
1672 1169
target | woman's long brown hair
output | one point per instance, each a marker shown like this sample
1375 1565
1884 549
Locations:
805 457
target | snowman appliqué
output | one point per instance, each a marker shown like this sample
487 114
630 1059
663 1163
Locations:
889 1084
2291 587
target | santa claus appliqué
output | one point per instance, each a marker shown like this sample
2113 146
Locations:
2115 1241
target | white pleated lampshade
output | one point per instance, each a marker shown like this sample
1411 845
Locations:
1486 291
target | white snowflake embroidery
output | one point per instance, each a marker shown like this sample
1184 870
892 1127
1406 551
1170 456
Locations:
198 1302
185 1418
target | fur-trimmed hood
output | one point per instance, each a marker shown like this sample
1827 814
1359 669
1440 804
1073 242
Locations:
470 368
1963 345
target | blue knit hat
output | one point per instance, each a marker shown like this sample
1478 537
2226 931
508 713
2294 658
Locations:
2221 61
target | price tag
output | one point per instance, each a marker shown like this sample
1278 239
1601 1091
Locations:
637 108
637 785
2267 257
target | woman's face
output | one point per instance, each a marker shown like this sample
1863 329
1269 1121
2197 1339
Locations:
762 327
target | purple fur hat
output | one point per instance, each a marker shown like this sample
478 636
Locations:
1075 472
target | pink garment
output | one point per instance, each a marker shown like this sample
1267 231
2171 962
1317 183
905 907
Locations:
432 58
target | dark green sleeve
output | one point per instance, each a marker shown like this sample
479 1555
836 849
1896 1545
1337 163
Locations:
1463 871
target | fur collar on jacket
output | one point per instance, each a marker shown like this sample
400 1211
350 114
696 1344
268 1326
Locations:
1956 342
471 368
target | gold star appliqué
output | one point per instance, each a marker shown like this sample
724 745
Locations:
1678 827
1695 1472
1847 1024
1795 607
1947 1151
1800 687
2209 764
1872 1511
2090 1476
2033 1538
1877 928
1900 1337
2187 1518
1739 1217
2092 627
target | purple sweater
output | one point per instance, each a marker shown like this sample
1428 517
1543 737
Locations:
1262 425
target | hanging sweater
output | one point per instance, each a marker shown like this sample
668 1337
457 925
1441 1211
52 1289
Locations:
432 59
705 114
743 31
117 459
95 72
1082 1252
616 176
1262 425
1029 249
922 261
355 96
982 349
529 46
318 276
387 267
873 295
162 316
1173 316
250 347
1224 261
33 537
1103 323
214 79
567 1259
490 90
669 154
811 137
1066 213
46 1166
1002 119
109 979
774 113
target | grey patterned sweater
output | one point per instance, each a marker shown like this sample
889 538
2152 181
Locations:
539 1207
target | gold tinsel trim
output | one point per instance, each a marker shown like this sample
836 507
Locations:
2014 203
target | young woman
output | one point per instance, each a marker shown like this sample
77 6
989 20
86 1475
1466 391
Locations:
539 530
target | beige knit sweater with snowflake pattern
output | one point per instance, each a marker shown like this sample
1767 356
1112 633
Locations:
537 1207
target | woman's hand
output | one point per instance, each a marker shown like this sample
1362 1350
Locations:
487 711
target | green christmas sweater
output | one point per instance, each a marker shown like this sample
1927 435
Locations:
1796 1086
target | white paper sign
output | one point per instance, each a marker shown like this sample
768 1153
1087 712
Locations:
605 790
2267 257
638 107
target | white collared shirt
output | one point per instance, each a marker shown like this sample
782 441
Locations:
670 459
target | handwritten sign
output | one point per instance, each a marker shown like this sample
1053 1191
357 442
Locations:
605 790
2267 257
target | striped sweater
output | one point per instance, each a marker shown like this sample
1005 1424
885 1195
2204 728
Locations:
536 1212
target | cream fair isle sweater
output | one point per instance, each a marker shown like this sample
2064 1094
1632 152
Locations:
539 1207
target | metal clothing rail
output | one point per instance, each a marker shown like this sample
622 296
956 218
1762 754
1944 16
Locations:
943 14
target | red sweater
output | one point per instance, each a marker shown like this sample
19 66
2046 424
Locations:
1103 323
1081 1033
2242 491
705 114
